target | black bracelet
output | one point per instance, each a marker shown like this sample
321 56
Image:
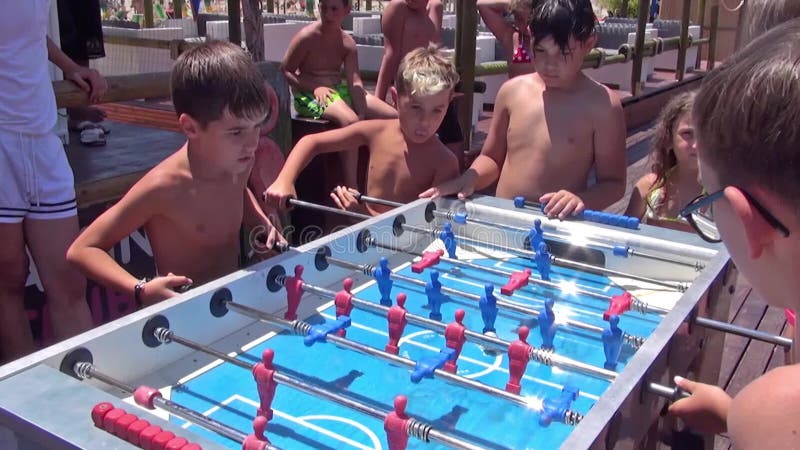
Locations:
137 291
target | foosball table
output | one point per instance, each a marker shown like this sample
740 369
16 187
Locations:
440 324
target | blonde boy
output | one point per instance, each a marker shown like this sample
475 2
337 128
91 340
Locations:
405 155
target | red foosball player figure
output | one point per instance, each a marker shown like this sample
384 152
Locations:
619 304
516 281
344 303
455 335
294 290
429 259
396 424
264 375
258 440
397 323
518 355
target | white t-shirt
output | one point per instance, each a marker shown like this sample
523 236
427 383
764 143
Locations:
27 101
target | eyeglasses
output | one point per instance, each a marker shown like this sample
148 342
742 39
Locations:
700 215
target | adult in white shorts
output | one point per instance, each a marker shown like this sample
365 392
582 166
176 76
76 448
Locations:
37 194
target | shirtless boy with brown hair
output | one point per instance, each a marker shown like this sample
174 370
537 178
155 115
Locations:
313 67
405 155
551 127
192 205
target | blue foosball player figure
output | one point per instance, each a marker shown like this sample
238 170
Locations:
383 276
547 324
488 305
433 290
554 409
612 342
448 239
543 261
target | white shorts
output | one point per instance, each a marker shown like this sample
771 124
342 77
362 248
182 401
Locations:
36 180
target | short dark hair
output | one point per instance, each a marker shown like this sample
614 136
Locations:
747 115
562 19
214 76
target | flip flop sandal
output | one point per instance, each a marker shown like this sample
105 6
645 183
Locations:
86 124
93 137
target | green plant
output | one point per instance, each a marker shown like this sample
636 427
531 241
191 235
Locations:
617 7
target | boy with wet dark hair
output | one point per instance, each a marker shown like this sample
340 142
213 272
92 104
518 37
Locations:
552 127
193 204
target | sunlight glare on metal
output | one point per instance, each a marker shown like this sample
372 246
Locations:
568 287
534 403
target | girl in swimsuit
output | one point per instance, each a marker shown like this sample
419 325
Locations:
672 184
514 36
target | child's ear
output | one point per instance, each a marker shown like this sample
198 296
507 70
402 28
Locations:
590 42
757 230
190 127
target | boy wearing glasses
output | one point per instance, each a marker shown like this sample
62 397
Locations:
747 118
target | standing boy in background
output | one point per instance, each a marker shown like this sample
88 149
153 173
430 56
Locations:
408 25
405 155
552 127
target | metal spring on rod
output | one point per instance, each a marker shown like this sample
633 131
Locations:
370 241
450 214
164 335
634 341
639 305
301 328
368 270
542 356
419 430
82 370
572 417
281 280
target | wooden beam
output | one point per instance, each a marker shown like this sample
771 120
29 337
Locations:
681 66
253 28
701 19
148 14
465 63
234 22
712 38
638 53
177 9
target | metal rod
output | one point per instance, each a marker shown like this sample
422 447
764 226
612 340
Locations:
726 327
450 214
308 205
88 370
280 378
367 269
555 259
527 253
473 336
669 393
380 354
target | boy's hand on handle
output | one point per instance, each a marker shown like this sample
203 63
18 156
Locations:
562 204
90 81
267 235
162 288
706 410
322 94
278 194
347 199
463 185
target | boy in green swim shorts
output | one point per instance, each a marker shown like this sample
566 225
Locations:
313 65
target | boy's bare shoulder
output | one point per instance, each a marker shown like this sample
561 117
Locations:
519 87
395 9
167 180
349 42
764 414
598 94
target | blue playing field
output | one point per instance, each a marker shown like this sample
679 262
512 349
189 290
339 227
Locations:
228 393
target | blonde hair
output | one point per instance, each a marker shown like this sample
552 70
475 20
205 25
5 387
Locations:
521 6
426 71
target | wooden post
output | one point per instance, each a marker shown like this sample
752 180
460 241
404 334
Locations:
636 71
701 19
740 25
177 9
270 6
467 23
234 22
681 67
253 28
148 14
712 38
369 5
